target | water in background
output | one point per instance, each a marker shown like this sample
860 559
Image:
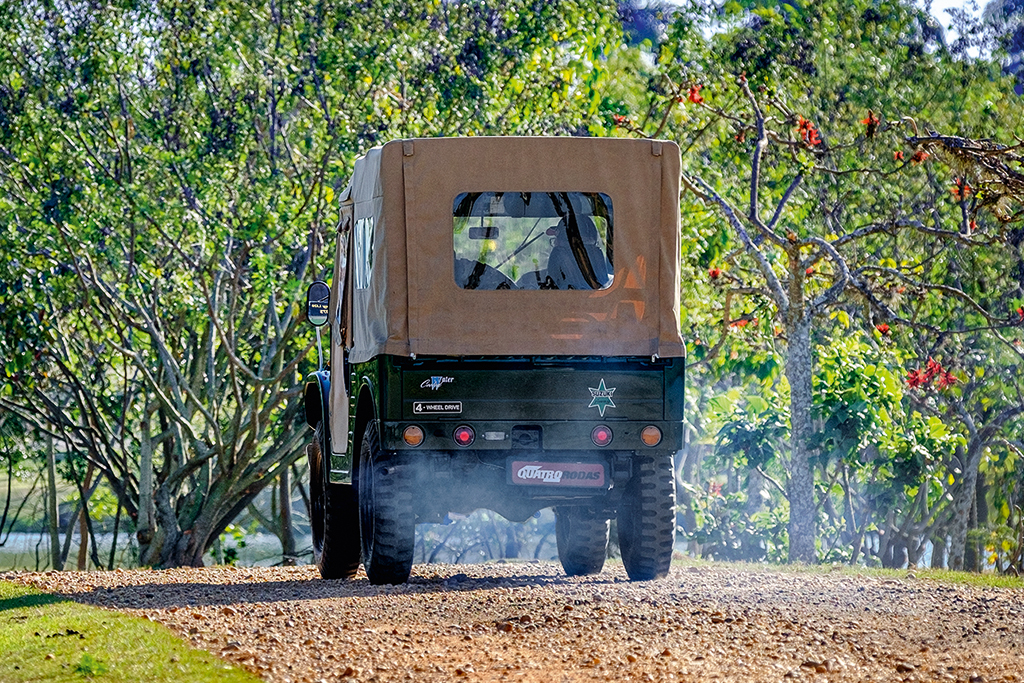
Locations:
22 550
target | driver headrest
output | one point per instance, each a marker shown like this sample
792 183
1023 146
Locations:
588 231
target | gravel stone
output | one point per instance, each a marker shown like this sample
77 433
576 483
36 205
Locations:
528 622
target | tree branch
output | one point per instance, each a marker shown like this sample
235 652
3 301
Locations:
775 287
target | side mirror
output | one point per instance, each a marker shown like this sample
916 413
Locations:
318 298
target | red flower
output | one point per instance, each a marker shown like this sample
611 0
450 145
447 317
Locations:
972 226
809 272
714 273
871 121
897 155
933 368
1020 312
919 156
714 488
808 132
694 94
946 380
741 323
883 328
620 120
960 189
917 378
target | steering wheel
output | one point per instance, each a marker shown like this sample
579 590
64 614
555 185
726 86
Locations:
476 275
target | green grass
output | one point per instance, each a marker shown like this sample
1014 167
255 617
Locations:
982 580
44 637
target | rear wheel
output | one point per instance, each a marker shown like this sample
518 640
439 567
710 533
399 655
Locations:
581 535
647 519
385 512
334 516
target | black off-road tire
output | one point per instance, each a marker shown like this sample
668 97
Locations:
581 535
334 516
386 517
647 519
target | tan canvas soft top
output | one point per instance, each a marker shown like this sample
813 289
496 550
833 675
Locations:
403 296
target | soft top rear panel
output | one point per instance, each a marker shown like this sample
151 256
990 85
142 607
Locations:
403 193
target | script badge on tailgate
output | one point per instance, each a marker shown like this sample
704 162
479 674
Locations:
576 474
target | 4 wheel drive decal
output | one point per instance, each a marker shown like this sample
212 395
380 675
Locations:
601 397
429 408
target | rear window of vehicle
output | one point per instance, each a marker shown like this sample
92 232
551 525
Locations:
533 240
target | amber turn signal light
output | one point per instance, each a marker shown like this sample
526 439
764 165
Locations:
650 435
413 435
464 435
601 435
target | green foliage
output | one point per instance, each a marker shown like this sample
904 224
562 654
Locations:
756 440
169 173
233 540
845 221
727 529
858 394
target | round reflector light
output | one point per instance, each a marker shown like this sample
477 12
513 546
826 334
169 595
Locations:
650 435
602 435
413 435
464 435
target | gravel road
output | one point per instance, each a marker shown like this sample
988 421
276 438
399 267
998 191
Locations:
528 622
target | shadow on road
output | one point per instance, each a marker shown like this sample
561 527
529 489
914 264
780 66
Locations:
159 595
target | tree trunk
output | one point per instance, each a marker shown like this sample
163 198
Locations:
962 504
755 488
144 526
113 540
83 523
52 508
513 545
980 523
69 534
690 475
939 552
799 364
972 561
287 529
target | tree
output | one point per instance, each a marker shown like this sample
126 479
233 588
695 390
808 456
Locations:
168 174
814 221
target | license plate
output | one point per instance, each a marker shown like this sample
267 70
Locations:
573 474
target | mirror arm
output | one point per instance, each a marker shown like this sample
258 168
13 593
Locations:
319 351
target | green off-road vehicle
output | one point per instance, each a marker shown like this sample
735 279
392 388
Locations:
504 334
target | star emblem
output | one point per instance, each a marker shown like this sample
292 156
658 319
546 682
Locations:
601 398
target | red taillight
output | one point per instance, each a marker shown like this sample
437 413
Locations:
601 435
464 435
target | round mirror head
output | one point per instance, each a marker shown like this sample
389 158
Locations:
318 297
